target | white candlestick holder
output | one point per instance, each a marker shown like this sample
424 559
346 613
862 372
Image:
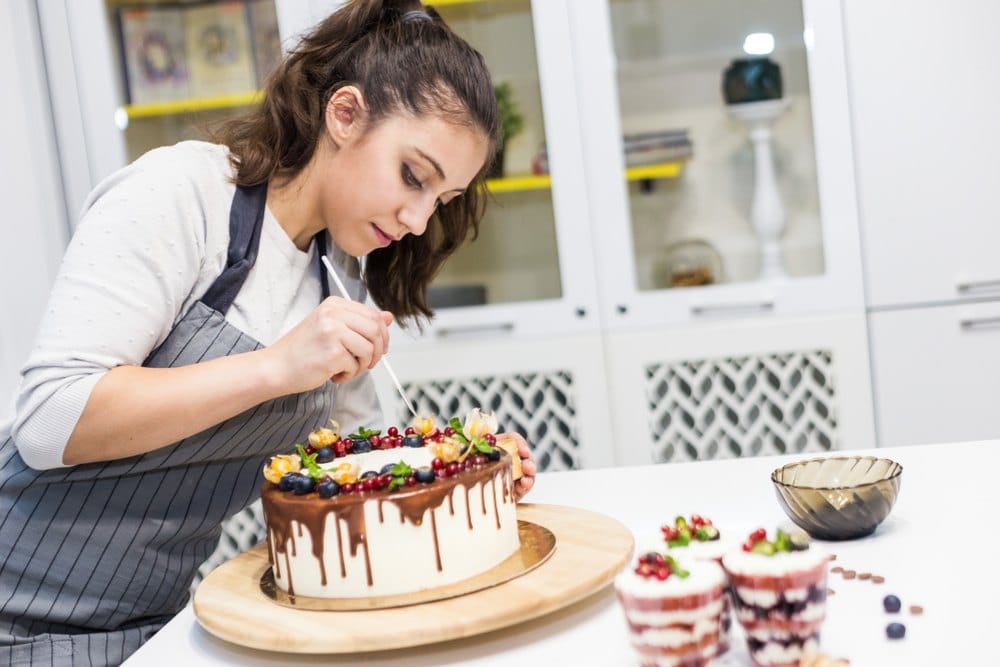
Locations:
767 214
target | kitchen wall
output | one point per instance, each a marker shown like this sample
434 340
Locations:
33 227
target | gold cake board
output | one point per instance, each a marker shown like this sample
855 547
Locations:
590 550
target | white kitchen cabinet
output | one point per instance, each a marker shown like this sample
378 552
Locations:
936 373
925 108
924 111
742 388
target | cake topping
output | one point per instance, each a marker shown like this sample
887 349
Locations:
683 532
324 437
891 604
895 630
653 565
279 465
783 542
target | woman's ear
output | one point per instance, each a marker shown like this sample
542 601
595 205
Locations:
345 114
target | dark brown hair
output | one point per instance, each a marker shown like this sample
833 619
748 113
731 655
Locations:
402 62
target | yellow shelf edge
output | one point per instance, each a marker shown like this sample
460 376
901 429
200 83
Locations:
540 182
652 171
195 104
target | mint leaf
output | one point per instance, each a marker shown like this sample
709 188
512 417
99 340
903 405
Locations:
455 424
482 446
309 462
365 433
401 469
676 569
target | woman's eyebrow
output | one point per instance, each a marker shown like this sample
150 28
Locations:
434 163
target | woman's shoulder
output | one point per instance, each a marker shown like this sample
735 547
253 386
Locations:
194 158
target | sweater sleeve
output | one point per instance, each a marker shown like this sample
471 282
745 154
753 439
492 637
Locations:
131 264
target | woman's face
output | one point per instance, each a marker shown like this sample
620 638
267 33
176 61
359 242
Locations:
382 184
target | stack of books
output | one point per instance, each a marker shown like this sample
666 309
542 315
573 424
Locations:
640 149
657 147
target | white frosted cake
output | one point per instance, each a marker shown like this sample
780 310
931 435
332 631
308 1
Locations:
673 612
372 515
779 591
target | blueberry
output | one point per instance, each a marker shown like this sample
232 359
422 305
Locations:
287 481
891 604
368 474
386 468
327 488
324 455
424 475
361 445
413 441
895 631
303 484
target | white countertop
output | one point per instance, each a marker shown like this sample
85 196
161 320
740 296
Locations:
934 549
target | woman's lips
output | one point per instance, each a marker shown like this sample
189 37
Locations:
383 238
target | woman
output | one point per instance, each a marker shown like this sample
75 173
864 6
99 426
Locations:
191 333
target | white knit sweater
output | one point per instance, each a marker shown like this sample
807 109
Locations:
152 239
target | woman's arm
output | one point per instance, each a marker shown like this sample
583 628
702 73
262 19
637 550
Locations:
133 410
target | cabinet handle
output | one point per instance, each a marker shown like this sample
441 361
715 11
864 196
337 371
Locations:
732 309
979 286
980 324
476 330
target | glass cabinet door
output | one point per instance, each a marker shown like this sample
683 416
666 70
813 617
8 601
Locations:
719 134
528 271
185 66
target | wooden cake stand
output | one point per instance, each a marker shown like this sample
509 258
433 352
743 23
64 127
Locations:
590 550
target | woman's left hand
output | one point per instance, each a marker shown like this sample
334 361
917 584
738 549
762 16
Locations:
528 469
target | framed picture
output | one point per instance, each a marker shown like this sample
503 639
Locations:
217 44
152 44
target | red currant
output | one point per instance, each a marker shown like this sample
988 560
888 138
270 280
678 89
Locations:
368 484
411 480
490 439
758 535
449 431
310 449
393 431
451 468
347 488
409 431
437 463
662 574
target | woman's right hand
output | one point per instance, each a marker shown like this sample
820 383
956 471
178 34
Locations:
336 341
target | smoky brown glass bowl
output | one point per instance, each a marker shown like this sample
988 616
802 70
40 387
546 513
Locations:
838 498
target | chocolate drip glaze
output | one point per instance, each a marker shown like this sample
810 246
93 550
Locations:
310 511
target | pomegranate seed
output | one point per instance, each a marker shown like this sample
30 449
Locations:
393 431
449 431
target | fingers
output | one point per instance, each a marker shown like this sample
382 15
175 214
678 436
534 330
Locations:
369 324
523 485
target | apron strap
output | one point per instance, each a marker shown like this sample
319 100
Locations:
324 279
246 217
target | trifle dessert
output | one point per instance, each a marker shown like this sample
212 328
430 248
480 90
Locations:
674 612
698 538
779 591
371 514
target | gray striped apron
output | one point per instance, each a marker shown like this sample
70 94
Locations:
95 558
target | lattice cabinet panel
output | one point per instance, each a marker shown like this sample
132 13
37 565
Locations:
742 406
540 406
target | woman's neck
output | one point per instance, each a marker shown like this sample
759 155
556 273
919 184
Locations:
293 202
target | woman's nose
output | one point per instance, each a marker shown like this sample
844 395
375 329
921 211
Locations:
415 214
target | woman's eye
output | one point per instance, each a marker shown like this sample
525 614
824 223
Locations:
409 178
